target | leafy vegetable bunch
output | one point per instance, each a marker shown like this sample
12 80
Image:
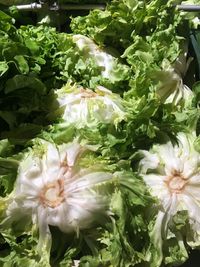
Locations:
99 145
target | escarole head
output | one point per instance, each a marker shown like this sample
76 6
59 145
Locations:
53 188
84 107
172 173
171 88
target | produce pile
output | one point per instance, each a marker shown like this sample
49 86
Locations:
99 139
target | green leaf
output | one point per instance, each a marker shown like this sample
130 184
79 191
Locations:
22 81
32 46
9 118
7 183
4 16
7 165
3 67
6 148
22 64
12 49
